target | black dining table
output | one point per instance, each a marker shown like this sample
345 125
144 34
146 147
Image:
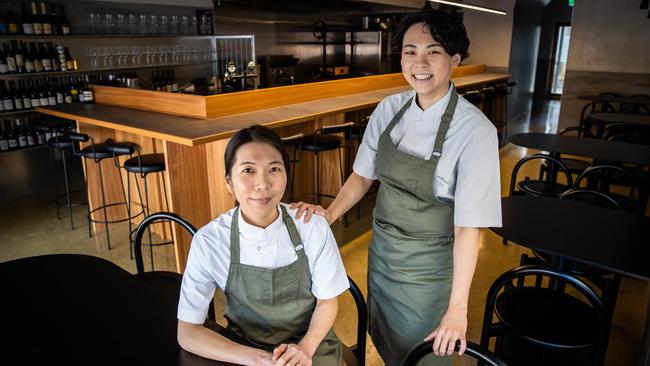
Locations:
613 240
81 310
611 151
601 120
618 100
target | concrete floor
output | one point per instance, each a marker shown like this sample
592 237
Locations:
29 227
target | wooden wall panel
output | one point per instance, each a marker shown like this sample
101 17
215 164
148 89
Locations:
188 191
220 199
149 100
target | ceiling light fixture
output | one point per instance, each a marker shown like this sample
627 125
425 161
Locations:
469 6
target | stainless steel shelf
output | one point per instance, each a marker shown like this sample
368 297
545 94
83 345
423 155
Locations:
83 71
12 113
29 36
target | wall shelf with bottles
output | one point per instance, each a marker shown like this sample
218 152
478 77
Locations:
13 113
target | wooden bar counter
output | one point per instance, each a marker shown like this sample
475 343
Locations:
194 183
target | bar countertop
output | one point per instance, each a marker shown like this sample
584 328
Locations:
192 131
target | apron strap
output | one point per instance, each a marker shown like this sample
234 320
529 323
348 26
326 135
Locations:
445 121
397 117
293 233
234 237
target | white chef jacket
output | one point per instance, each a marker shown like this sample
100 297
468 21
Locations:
468 170
209 259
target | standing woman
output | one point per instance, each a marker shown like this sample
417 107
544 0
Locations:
436 157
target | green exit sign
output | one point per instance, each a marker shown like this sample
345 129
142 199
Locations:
571 2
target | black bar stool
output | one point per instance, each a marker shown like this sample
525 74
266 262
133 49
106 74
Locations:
318 142
61 144
97 153
143 165
292 141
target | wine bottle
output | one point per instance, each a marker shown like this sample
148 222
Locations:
18 56
38 61
12 23
21 133
74 92
46 60
4 137
58 92
29 58
37 22
45 17
27 102
10 57
65 88
54 57
42 94
88 94
3 61
4 27
7 100
26 21
56 21
51 95
65 27
70 62
34 99
15 96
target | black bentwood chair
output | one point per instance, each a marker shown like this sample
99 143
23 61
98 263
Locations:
606 282
540 187
166 281
473 350
170 282
538 323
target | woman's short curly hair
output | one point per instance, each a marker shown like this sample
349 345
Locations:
445 28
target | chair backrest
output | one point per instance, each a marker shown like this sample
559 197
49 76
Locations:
591 197
605 172
359 350
595 107
473 350
139 232
550 159
516 278
581 131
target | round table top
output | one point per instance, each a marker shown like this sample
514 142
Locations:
613 151
80 309
610 239
620 100
628 118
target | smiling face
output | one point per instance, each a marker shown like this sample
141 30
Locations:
258 179
426 65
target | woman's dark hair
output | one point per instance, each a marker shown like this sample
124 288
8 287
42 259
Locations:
445 28
254 133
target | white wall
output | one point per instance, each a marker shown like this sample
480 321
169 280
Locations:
490 34
609 36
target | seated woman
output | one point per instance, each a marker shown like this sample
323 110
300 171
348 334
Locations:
280 276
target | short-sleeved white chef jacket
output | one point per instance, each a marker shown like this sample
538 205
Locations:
468 170
209 259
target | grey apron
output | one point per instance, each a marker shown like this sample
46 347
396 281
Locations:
410 260
268 307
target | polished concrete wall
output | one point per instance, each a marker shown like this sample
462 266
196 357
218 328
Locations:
608 53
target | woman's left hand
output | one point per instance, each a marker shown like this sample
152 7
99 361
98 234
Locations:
291 355
452 328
